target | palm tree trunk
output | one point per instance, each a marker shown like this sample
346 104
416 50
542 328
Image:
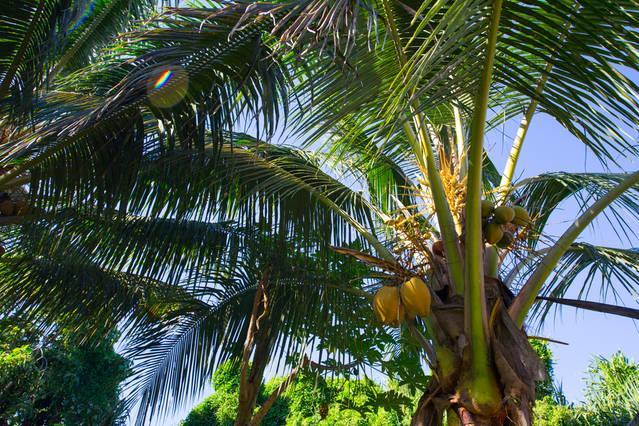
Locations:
511 362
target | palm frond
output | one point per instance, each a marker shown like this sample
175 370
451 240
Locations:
585 269
589 90
542 194
25 47
99 23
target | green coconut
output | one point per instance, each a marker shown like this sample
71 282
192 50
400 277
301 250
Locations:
504 214
493 233
486 208
522 218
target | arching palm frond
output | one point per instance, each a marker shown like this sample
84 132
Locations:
213 82
98 24
606 273
541 195
592 48
26 46
590 44
177 358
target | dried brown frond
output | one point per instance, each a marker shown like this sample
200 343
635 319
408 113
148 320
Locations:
323 24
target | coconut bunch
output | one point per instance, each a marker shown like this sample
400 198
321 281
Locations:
12 204
502 223
395 304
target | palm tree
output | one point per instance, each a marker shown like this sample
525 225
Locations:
389 103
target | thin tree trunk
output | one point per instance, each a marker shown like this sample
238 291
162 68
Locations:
258 339
264 409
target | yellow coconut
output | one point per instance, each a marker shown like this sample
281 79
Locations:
387 306
522 218
504 214
415 297
486 208
6 208
493 233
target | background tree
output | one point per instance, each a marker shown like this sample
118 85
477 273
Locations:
46 378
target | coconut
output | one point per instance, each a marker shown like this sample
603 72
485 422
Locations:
415 297
493 233
388 307
522 218
504 214
21 207
6 208
486 208
506 240
438 248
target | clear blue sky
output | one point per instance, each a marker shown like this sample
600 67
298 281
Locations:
549 147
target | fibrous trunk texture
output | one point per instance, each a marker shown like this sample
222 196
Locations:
514 364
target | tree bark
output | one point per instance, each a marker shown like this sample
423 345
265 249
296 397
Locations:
258 342
264 409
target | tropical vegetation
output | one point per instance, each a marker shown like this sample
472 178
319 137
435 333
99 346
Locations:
305 184
610 398
47 378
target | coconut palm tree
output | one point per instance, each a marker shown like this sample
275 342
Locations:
387 103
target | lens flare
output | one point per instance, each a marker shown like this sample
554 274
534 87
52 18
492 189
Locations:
163 79
166 87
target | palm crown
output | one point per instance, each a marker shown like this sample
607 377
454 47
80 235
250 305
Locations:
149 209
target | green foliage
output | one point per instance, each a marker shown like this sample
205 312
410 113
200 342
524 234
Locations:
310 400
548 413
50 378
612 396
546 388
612 390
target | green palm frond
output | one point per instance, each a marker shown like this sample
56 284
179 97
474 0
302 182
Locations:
589 90
542 194
158 248
26 46
99 23
247 180
585 269
177 358
224 79
81 296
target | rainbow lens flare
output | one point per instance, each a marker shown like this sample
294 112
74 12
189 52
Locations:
166 87
163 79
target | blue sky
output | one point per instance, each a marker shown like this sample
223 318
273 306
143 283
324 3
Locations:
549 147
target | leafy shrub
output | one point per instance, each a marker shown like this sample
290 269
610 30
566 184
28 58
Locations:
47 379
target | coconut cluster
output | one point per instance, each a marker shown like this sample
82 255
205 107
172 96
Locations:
10 205
396 304
501 223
